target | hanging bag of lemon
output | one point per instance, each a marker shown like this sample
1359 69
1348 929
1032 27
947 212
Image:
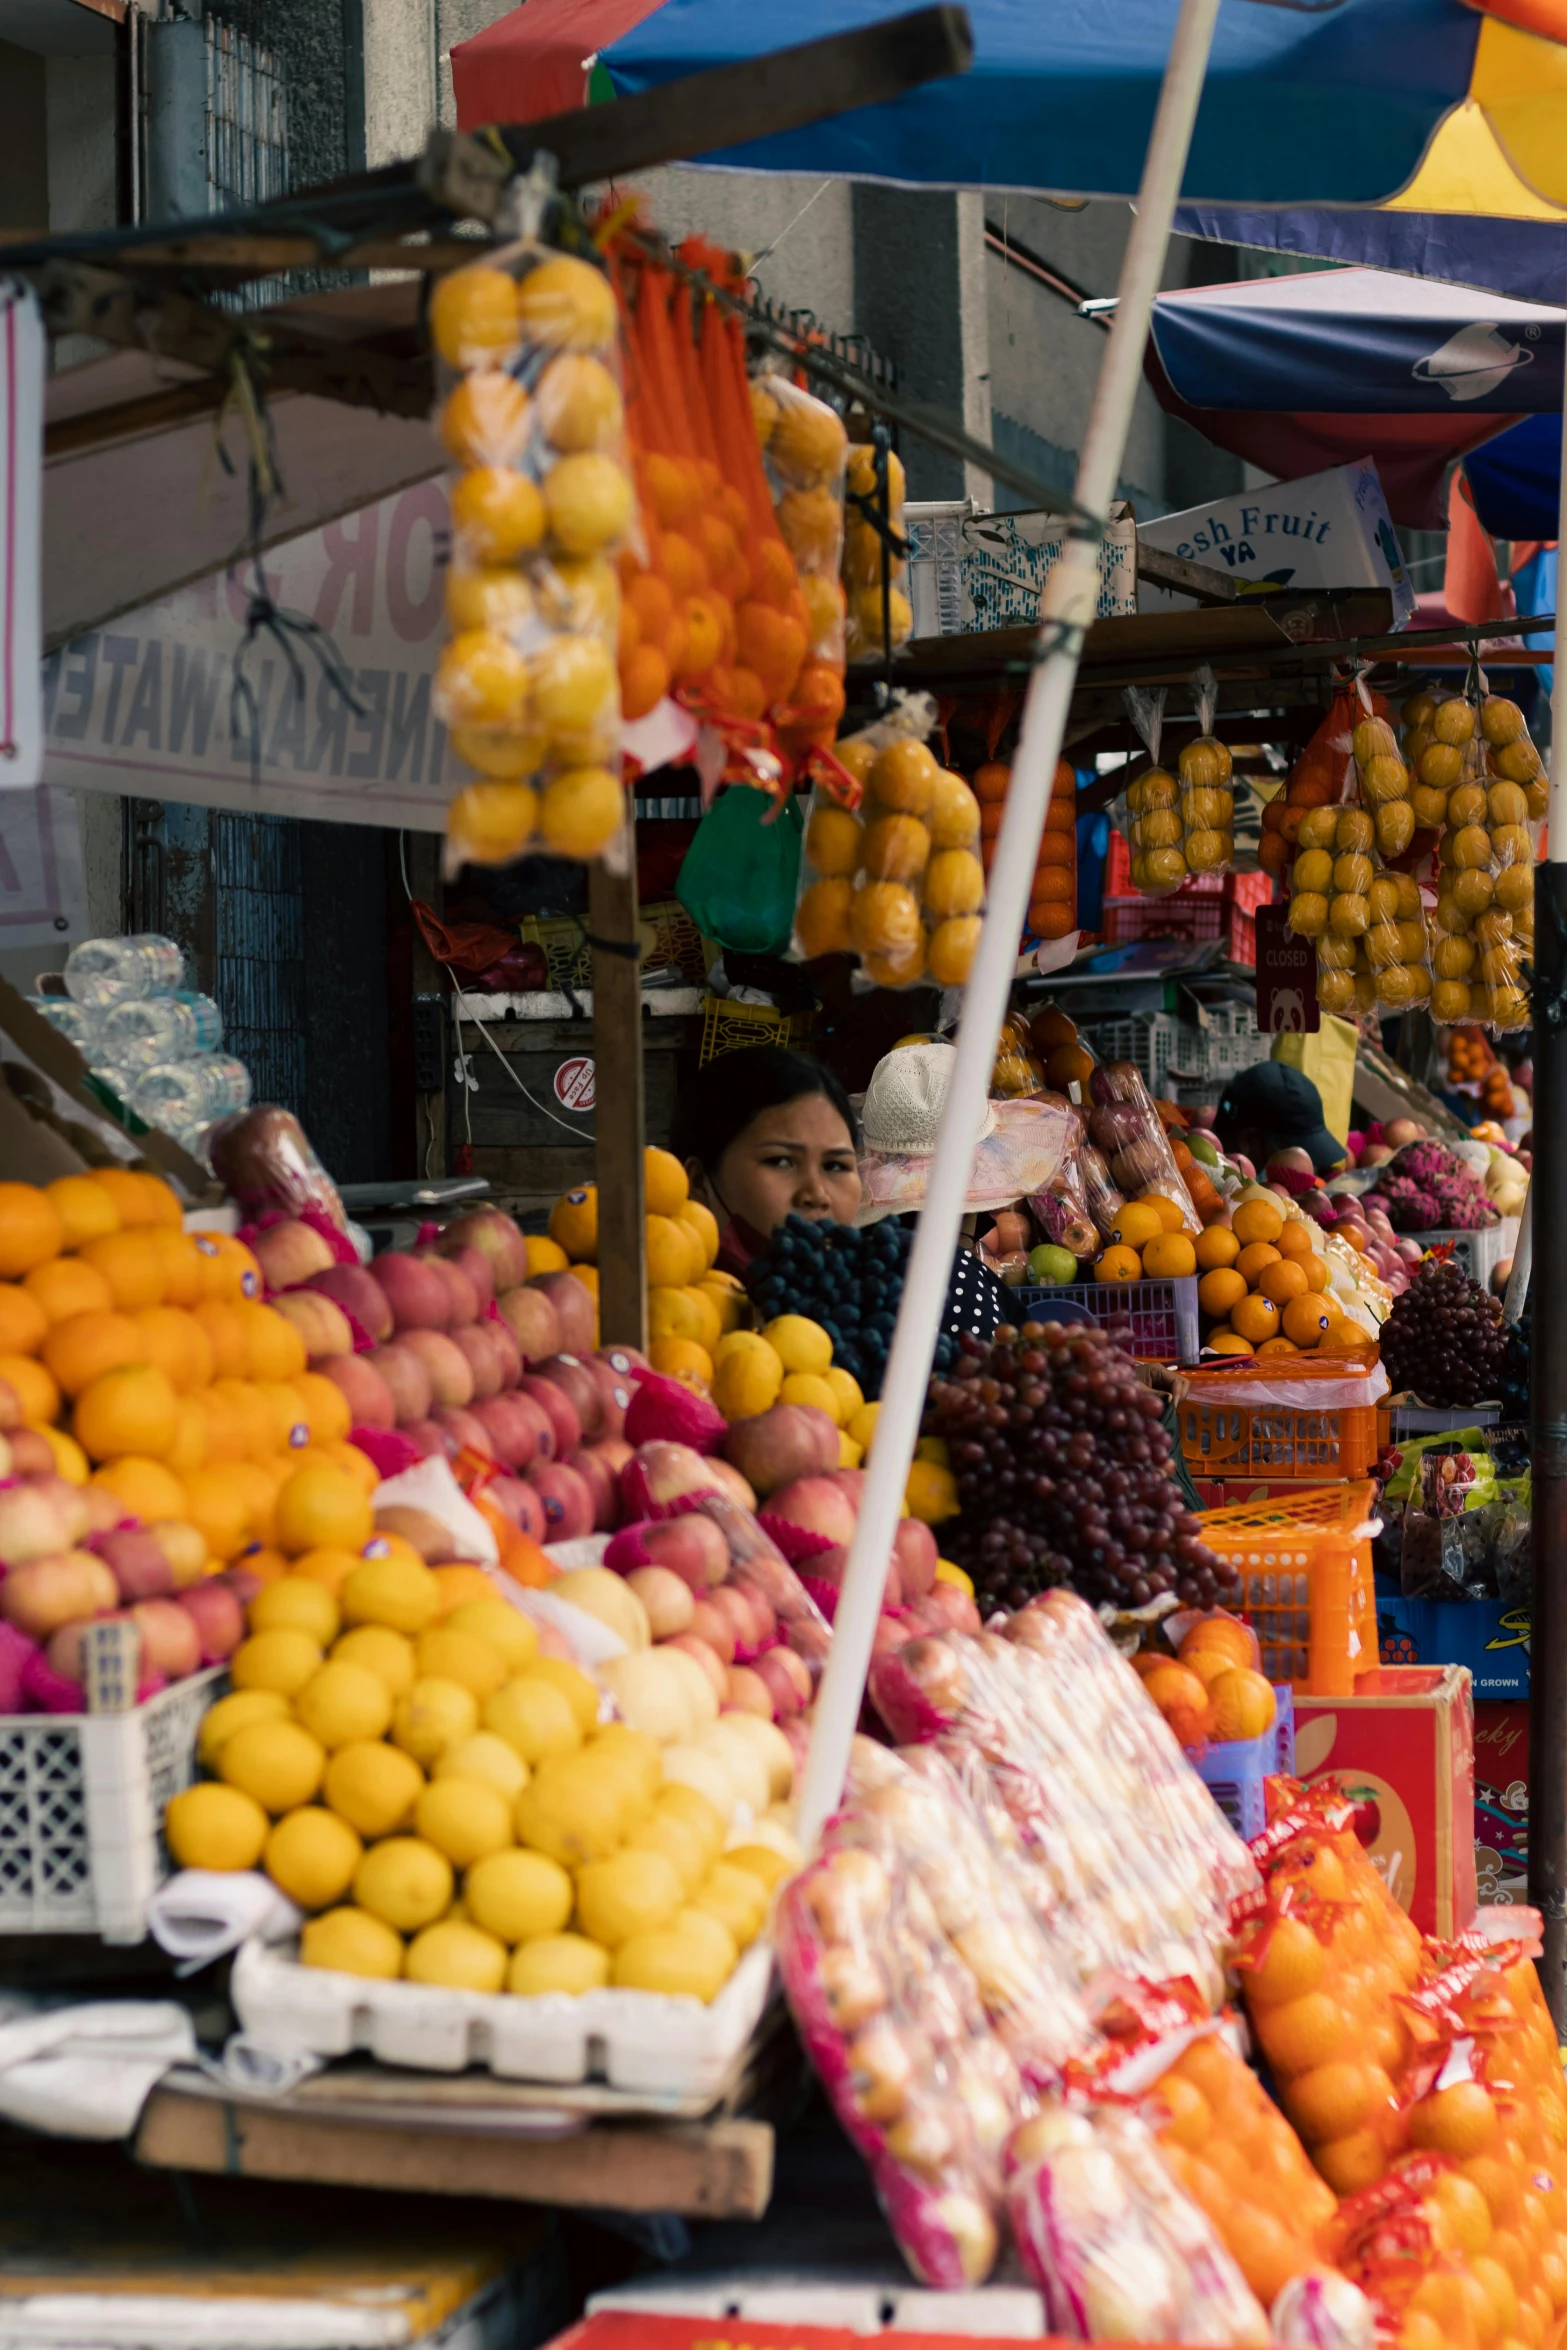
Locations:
532 415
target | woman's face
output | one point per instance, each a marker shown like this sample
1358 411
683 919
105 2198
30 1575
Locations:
794 1160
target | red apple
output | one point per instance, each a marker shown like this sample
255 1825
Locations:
418 1296
496 1238
729 1480
136 1562
788 1682
575 1310
475 1267
451 1379
693 1547
615 1393
774 1447
483 1357
32 1455
518 1430
851 1482
320 1321
625 1361
576 1382
427 1440
711 1663
914 1549
568 1505
558 1409
599 1478
710 1625
369 1398
507 1352
406 1375
748 1693
351 1287
170 1640
218 1617
666 1597
532 1321
462 1299
516 1497
465 1430
818 1505
289 1253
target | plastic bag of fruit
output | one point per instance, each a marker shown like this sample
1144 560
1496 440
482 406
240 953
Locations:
1149 814
1206 770
1382 777
1060 1207
874 486
1419 2244
1485 878
892 2015
1124 1125
1118 2250
1326 1967
896 879
804 453
531 414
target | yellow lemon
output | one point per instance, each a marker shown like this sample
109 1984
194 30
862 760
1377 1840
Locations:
931 1493
850 1454
277 1762
404 1882
215 1827
567 1963
387 1654
630 1893
397 1592
451 1655
680 1844
297 1603
851 1396
236 1713
810 1387
320 1505
570 1812
736 1898
352 1942
699 1814
582 808
372 1786
457 1956
283 1660
433 1715
518 1895
580 1692
769 1866
487 1758
589 501
862 1425
343 1703
566 304
533 1717
675 1960
464 1818
671 1250
747 1379
311 1855
505 1629
800 1344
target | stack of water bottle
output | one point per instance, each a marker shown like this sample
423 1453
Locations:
153 1042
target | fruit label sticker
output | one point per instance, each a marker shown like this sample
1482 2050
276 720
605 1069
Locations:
1286 976
576 1085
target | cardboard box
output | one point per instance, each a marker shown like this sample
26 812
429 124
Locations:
1404 1746
1329 530
1502 1802
1487 1635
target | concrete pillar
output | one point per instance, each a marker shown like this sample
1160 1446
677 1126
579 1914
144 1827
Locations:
919 280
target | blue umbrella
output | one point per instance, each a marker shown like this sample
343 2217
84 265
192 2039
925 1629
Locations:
1517 480
1335 104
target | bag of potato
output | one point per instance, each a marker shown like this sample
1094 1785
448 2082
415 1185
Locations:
1207 798
1149 814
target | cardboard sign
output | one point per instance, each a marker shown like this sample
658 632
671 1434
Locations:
1403 1748
147 705
1329 530
576 1086
23 363
1286 977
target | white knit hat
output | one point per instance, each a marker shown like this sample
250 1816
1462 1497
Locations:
907 1094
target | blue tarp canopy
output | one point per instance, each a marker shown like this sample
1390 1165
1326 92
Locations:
1516 479
1304 105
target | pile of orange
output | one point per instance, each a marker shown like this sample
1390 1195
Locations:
1211 1689
691 1305
1052 895
1227 2144
1148 1241
144 1356
1264 1288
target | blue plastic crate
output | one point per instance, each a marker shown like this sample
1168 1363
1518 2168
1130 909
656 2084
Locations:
1154 1320
1234 1772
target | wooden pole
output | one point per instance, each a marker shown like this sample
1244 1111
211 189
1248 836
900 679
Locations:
618 1105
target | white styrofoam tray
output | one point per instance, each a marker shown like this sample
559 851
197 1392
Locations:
644 2041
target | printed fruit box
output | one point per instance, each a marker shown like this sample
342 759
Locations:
1502 1802
1403 1750
1487 1635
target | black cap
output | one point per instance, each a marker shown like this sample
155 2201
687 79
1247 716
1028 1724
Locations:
1271 1098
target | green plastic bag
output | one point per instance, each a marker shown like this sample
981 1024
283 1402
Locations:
740 874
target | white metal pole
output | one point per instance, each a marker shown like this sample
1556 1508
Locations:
1066 609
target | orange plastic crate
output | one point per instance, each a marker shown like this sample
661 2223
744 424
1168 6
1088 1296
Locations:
1221 1438
1307 1583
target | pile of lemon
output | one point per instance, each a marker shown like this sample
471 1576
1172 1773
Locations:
790 1360
444 1802
690 1304
528 681
144 1355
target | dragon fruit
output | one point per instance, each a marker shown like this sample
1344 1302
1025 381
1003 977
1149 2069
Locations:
1428 1188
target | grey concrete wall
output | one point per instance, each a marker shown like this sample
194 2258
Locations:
79 95
24 162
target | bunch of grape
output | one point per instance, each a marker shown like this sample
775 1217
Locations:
1063 1475
1445 1339
848 1278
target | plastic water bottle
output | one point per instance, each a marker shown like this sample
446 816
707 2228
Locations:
176 1094
79 1026
157 1028
105 971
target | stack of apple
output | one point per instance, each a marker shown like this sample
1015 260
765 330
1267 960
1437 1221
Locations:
462 1350
72 1557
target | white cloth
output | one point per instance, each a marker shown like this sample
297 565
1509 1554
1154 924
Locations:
86 2071
202 1914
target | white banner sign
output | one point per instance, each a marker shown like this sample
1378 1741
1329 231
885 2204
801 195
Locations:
22 358
147 705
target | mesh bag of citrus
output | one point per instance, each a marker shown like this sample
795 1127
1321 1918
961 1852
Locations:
1324 1968
1421 2246
890 869
805 452
874 483
1485 868
532 417
1207 800
1383 778
1149 812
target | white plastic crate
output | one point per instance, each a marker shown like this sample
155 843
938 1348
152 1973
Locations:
81 1811
1156 1321
1170 1052
1479 1253
645 2042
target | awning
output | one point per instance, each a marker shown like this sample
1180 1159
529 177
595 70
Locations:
1516 480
